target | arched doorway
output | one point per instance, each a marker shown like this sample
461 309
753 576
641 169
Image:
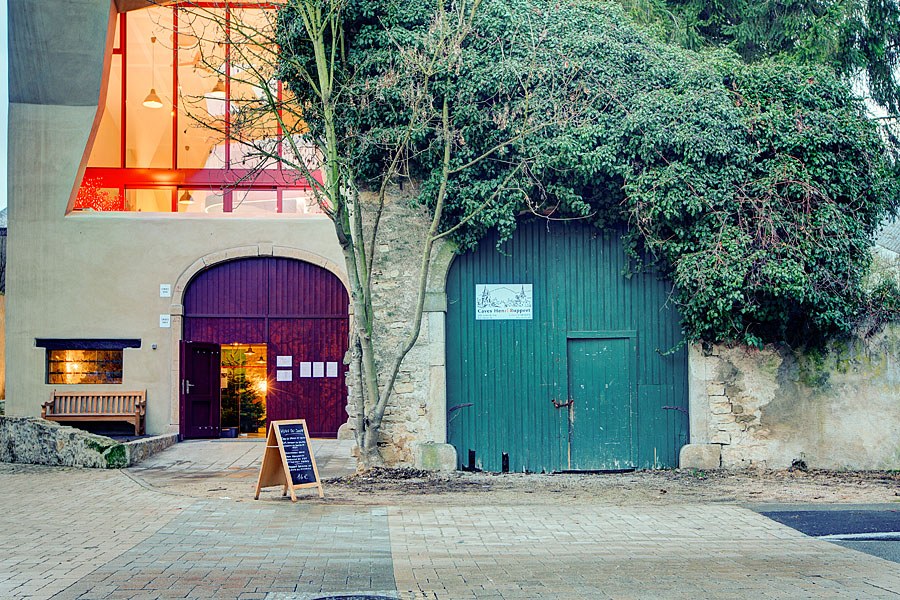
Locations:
264 329
557 361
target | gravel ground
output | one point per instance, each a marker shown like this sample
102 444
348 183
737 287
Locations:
408 486
413 487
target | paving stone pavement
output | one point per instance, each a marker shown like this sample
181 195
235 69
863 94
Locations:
85 534
577 552
241 458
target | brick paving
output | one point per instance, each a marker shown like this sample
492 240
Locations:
87 534
241 551
575 552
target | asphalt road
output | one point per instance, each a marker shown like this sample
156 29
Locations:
870 528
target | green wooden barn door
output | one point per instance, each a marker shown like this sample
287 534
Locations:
509 381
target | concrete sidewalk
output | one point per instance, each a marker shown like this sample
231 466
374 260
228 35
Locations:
91 534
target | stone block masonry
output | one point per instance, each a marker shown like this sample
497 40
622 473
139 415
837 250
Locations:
835 408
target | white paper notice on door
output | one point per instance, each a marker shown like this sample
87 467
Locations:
284 375
305 369
331 369
284 361
318 369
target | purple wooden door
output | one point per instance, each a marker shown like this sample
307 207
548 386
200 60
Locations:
300 311
200 393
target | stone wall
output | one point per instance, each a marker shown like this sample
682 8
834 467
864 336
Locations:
416 412
837 408
39 442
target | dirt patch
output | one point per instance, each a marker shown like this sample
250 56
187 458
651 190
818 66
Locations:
404 486
415 487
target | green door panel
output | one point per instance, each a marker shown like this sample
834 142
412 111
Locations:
601 390
505 378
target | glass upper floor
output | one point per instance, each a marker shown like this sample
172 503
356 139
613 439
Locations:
190 121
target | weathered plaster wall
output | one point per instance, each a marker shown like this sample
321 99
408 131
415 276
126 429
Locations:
836 409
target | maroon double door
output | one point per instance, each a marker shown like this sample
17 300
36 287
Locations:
298 310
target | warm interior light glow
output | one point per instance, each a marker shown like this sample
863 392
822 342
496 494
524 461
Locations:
261 386
186 198
250 351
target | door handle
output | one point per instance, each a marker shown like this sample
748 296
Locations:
562 404
186 386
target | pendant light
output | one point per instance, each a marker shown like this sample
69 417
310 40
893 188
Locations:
250 351
215 99
186 198
218 90
260 361
152 100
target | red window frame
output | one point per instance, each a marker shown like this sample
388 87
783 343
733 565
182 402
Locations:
225 180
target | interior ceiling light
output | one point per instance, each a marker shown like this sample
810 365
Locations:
261 360
218 90
186 198
250 351
152 100
215 99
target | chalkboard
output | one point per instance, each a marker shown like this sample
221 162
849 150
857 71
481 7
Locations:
288 460
297 453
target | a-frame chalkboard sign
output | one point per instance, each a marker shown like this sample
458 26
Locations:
288 460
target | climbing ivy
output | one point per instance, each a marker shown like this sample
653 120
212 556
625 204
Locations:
756 188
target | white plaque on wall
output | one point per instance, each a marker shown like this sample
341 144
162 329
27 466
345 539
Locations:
284 375
165 321
502 301
305 369
284 361
331 369
318 369
165 290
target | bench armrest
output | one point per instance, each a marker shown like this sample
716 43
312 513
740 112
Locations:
45 406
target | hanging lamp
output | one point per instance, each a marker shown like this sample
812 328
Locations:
186 198
250 351
218 90
215 99
152 100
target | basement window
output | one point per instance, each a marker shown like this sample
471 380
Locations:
72 362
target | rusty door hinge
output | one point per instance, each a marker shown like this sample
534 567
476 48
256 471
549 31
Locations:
562 404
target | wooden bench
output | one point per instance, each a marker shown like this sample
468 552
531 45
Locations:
97 406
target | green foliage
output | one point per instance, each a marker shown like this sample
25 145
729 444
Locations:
116 457
757 187
851 37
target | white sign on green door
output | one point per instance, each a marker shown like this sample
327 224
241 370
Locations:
496 301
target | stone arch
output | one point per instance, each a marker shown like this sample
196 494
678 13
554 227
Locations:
249 252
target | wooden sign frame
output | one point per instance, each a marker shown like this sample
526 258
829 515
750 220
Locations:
275 470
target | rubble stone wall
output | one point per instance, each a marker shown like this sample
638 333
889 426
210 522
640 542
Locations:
416 412
36 441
